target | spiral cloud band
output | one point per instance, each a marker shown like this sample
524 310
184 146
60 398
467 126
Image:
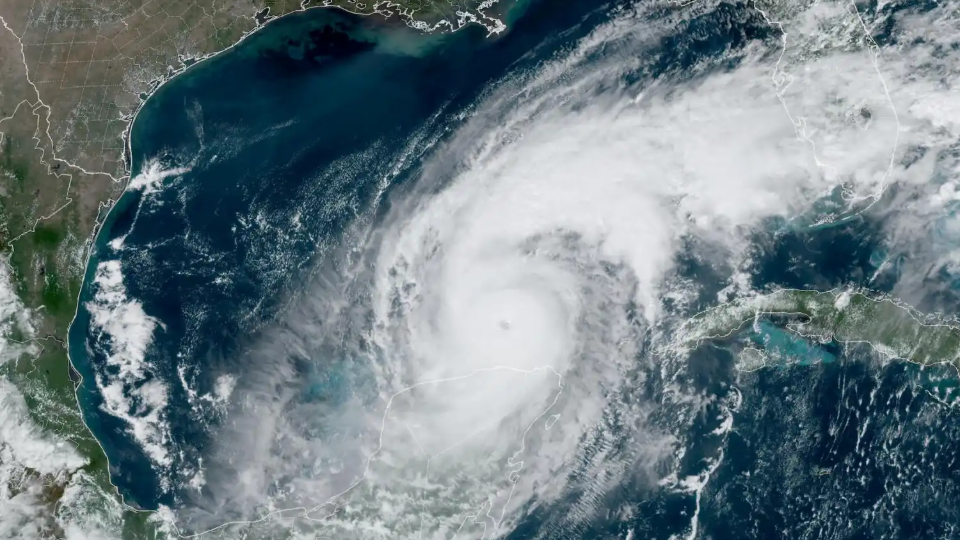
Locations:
489 330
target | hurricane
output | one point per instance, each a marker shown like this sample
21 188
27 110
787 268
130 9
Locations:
489 336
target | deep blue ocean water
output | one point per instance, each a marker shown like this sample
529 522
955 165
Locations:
288 136
291 137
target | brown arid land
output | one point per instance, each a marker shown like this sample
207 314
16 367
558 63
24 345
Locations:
73 75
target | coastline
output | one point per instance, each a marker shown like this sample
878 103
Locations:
142 518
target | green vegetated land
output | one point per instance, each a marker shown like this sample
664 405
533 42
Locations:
43 247
893 329
49 205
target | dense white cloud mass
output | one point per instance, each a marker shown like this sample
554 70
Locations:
35 463
491 322
131 392
25 453
494 334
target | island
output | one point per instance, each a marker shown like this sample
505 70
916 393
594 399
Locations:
848 317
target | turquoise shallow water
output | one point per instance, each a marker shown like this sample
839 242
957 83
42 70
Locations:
314 125
288 138
787 347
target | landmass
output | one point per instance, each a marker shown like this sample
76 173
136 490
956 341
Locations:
847 317
73 75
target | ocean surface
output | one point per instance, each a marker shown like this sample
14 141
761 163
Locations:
288 138
274 170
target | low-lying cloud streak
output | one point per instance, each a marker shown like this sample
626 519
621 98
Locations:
488 326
